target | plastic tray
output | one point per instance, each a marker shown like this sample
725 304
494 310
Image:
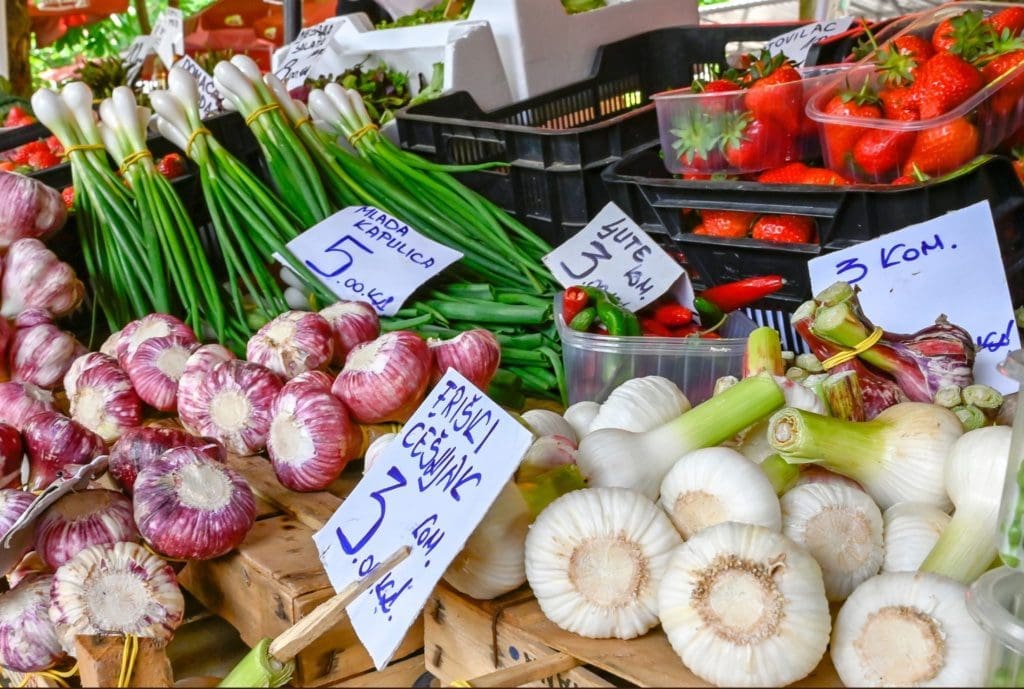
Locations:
996 602
558 144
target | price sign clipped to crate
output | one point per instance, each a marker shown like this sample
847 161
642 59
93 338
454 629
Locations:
429 489
612 253
796 44
950 265
304 53
135 56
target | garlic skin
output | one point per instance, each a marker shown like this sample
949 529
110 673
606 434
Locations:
641 404
104 401
19 402
745 606
141 446
352 323
30 208
386 379
311 438
375 449
475 354
910 531
52 441
34 277
232 405
156 367
28 640
142 329
115 590
293 343
32 317
493 561
841 527
80 365
190 507
42 354
109 346
12 455
715 485
30 565
6 334
197 367
13 504
908 629
545 422
594 559
80 520
580 416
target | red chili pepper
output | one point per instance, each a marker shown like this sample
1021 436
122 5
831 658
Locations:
711 336
673 315
686 330
649 326
742 293
574 300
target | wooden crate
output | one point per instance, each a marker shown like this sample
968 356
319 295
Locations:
275 578
467 639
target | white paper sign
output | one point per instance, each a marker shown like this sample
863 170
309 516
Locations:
612 253
169 35
950 265
135 56
304 53
797 43
210 101
428 490
362 253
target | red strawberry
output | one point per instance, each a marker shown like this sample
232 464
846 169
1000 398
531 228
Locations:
756 144
41 160
17 117
55 146
726 223
714 86
6 166
171 166
696 141
784 228
68 194
914 46
881 152
839 139
1005 101
942 37
943 149
943 83
1011 19
779 95
823 177
1018 164
799 173
899 104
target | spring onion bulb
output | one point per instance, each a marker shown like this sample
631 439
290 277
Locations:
594 559
715 485
911 531
641 404
745 606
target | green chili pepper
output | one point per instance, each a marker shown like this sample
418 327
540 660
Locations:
710 314
632 324
613 317
584 319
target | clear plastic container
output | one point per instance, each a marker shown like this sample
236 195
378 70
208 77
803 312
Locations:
683 113
597 364
1011 509
996 602
989 119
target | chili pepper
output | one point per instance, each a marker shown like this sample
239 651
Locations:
686 330
614 318
597 294
584 319
742 293
632 324
649 326
673 315
711 336
574 300
710 314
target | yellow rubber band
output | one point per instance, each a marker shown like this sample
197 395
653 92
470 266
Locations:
192 139
359 134
460 683
262 110
303 120
82 147
132 159
57 676
850 354
128 658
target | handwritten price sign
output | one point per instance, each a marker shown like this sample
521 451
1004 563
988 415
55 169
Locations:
429 489
797 43
210 101
361 253
612 253
304 53
950 265
169 36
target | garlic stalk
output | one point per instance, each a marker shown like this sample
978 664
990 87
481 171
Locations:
911 531
594 559
715 485
544 422
641 404
580 416
745 606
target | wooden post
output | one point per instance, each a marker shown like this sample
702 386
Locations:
19 41
100 657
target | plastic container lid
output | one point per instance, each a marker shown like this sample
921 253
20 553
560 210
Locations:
990 600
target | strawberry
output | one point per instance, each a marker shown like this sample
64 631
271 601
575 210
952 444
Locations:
755 143
784 228
881 152
776 93
1018 163
17 117
839 139
944 82
799 173
1011 19
726 223
41 160
942 37
968 35
68 194
943 149
914 46
697 133
6 166
899 104
55 146
1004 102
714 86
171 165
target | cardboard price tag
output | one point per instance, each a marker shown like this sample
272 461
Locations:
169 36
304 53
950 265
135 56
612 253
429 489
210 101
362 253
797 43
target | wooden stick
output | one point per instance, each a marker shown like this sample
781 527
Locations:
524 673
293 640
452 9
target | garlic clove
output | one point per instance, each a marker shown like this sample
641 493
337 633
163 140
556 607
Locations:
21 401
79 520
292 343
80 365
188 506
373 452
352 323
28 639
155 368
104 401
141 446
53 441
386 379
580 416
12 455
545 422
475 354
197 367
142 329
34 277
41 354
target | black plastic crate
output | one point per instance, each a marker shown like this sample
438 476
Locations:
845 216
557 144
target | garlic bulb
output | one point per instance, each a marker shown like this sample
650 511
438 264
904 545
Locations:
544 422
140 446
386 379
641 404
104 401
115 590
109 346
311 438
580 416
352 323
232 404
190 507
11 456
153 325
908 629
13 504
32 317
197 367
745 606
473 353
30 208
19 402
34 277
375 449
156 367
28 640
292 343
594 559
544 454
79 520
41 355
52 441
493 561
81 364
714 485
841 527
911 530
